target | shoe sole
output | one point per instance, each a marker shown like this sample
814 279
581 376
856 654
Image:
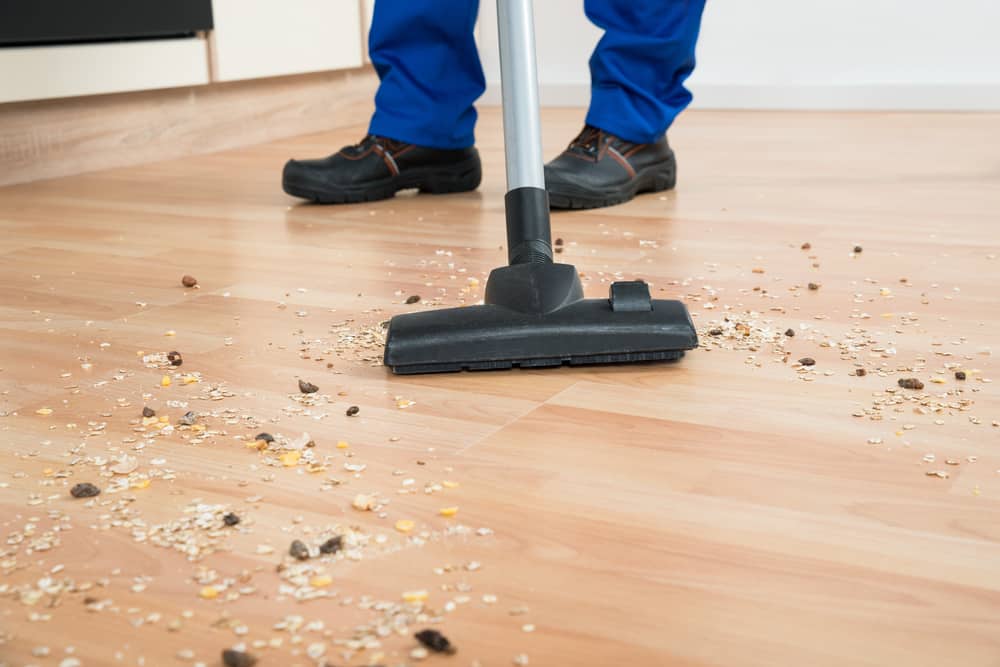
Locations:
654 178
462 177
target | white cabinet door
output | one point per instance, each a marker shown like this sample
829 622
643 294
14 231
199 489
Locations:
258 38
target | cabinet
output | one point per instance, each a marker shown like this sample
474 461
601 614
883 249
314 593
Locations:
261 38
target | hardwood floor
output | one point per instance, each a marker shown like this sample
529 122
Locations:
735 508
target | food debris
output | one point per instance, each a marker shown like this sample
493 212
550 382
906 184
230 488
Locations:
307 387
412 299
84 490
353 410
189 281
363 502
332 545
910 383
175 358
233 658
807 361
938 473
188 418
415 596
230 519
298 550
435 641
290 459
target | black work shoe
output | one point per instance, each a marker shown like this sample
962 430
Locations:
377 168
600 169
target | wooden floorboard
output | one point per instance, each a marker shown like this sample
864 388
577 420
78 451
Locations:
733 508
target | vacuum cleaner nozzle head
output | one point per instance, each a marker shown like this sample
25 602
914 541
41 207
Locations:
534 316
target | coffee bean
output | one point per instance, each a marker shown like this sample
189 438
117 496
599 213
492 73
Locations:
174 358
559 241
353 410
233 658
299 550
813 286
332 545
266 437
790 333
806 245
807 361
910 383
84 490
959 375
148 412
413 298
857 249
189 281
861 372
230 519
715 332
435 641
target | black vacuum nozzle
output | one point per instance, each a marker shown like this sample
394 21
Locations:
535 316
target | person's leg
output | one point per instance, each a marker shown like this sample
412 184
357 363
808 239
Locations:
639 66
637 89
426 59
421 135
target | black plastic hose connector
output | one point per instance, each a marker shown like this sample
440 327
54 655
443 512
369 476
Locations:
529 232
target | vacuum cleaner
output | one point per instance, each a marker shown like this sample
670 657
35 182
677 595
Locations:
534 313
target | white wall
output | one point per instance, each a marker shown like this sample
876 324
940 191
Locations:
843 54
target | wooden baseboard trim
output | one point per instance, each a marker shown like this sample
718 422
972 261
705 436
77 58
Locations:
52 138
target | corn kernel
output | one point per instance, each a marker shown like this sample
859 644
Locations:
289 459
48 472
148 421
342 444
321 581
164 419
190 379
198 428
209 592
448 484
43 411
170 333
140 483
939 380
449 511
405 525
165 381
415 596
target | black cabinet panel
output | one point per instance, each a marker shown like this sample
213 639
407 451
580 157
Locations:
60 21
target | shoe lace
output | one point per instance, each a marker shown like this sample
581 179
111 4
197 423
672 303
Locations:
370 139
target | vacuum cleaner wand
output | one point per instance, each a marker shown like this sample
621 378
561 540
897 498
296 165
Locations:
534 313
529 235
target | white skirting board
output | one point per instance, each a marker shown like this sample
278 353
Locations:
45 72
852 97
